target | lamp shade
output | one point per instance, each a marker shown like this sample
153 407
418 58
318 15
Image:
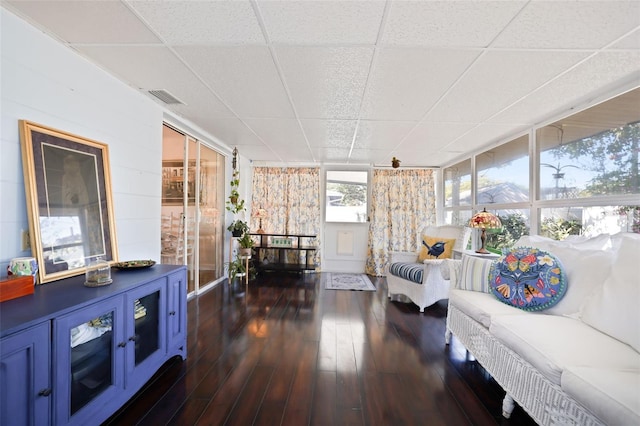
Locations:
261 213
485 220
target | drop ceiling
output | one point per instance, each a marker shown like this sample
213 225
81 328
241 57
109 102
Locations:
357 82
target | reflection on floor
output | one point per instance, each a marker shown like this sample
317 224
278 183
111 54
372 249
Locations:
286 351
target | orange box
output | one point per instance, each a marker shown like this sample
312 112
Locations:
15 286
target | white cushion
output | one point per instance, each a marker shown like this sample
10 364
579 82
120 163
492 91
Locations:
474 274
481 306
586 271
552 343
537 241
612 395
615 308
599 242
616 239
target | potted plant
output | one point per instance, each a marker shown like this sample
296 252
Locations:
234 204
238 228
246 243
236 268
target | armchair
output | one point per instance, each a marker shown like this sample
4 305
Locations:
423 283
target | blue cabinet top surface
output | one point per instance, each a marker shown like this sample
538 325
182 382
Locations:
55 298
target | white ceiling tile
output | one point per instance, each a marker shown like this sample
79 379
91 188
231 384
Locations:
384 135
448 23
434 136
570 24
369 156
326 82
295 152
201 22
244 76
231 132
322 22
154 68
407 91
329 133
279 134
87 21
602 71
487 133
631 41
331 154
498 79
258 153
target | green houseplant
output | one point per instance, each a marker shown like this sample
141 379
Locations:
238 228
234 204
236 268
246 243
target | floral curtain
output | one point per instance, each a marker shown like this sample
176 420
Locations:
402 203
291 197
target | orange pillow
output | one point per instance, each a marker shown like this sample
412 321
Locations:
436 248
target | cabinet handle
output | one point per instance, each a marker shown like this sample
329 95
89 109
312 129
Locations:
133 338
44 392
172 313
122 344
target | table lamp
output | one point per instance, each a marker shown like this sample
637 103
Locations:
261 214
484 220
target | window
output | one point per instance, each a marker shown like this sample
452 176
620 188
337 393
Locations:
588 179
592 153
346 196
457 184
588 176
503 173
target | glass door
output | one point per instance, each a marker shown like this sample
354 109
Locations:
210 229
192 208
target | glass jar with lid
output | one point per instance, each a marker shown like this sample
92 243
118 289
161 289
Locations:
98 273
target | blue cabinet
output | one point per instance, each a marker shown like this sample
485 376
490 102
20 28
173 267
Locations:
177 313
25 389
74 355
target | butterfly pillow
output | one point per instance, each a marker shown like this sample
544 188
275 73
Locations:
528 278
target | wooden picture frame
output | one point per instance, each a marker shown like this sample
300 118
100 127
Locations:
70 210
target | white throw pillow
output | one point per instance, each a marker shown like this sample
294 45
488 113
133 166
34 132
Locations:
599 242
615 309
537 241
586 271
474 274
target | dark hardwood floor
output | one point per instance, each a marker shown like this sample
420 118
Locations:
289 352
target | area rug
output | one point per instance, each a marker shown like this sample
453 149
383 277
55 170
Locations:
339 281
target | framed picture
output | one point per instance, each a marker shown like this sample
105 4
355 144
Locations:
174 181
70 210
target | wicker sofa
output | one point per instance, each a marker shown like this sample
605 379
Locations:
577 362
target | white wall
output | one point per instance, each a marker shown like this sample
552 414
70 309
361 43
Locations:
45 82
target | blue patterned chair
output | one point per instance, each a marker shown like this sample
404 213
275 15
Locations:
423 283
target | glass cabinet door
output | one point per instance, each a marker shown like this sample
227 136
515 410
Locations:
90 349
146 330
146 326
91 359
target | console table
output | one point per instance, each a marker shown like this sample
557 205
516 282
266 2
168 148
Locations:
299 243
